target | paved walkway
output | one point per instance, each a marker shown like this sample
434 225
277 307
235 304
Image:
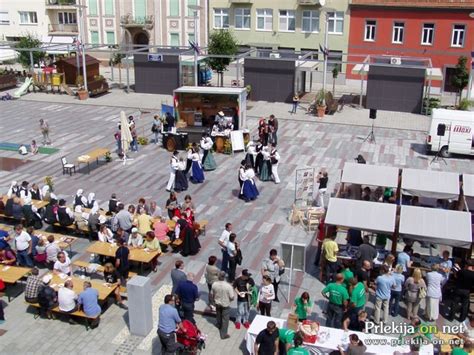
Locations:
260 225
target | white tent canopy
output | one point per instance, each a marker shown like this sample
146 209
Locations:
374 175
61 44
445 227
468 185
363 215
430 184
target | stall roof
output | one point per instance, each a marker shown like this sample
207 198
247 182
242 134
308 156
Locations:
209 90
468 185
374 175
59 44
73 60
431 73
363 215
446 227
429 183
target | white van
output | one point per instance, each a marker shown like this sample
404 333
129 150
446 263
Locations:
458 136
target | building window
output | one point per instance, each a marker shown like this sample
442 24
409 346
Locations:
334 61
264 19
370 27
28 17
287 20
66 18
457 39
193 3
174 39
174 7
336 22
94 37
242 19
110 37
398 31
221 18
427 34
92 7
139 10
4 20
109 7
310 21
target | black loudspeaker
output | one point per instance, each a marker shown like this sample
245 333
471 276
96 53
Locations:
373 113
441 130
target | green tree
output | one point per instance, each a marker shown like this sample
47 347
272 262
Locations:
221 42
460 78
29 41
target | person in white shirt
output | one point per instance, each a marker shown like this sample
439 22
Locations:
197 174
91 202
223 239
25 194
274 160
266 296
14 189
67 298
23 246
62 264
52 250
232 249
136 239
105 234
208 163
174 165
189 156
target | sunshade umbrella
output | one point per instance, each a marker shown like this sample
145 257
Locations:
126 135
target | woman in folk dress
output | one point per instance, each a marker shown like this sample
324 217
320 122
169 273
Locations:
197 174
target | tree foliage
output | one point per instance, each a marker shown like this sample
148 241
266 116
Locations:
460 78
29 41
221 42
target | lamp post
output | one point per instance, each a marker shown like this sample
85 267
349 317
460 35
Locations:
195 9
81 26
326 39
469 85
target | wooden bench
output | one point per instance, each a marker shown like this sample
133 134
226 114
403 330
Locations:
78 314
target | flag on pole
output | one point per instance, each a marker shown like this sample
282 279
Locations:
325 51
195 47
77 43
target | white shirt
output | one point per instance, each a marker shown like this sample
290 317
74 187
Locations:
206 143
174 163
266 294
66 299
249 174
135 242
65 267
22 241
190 154
231 250
224 238
52 251
265 154
276 155
196 157
107 237
242 174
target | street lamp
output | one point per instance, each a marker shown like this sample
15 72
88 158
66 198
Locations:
195 9
81 35
326 34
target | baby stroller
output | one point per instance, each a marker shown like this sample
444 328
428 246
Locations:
191 339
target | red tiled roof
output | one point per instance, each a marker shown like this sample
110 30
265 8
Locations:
442 4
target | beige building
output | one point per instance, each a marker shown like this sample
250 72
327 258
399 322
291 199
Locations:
284 24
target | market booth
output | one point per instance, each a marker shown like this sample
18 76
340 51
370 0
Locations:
216 110
69 66
430 184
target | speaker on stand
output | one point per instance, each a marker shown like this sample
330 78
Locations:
440 132
371 137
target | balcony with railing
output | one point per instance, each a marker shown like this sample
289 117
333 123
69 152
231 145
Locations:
137 21
62 29
60 4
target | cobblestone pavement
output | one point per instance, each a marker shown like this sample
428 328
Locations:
260 225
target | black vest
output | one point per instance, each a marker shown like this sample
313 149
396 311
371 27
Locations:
35 194
78 201
63 217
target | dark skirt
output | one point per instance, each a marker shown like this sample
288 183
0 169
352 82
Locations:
197 174
191 244
258 163
249 160
249 190
181 182
266 171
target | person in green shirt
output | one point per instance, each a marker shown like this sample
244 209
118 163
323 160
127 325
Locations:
152 244
298 348
303 306
348 274
285 337
338 298
358 295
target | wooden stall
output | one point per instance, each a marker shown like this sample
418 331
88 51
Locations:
68 66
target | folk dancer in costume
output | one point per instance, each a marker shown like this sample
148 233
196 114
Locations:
274 160
249 189
174 165
208 162
181 181
263 131
251 154
259 157
241 177
266 167
189 160
197 174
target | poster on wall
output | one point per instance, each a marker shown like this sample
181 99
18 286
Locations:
304 186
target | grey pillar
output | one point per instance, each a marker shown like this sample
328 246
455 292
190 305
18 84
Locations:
32 63
140 311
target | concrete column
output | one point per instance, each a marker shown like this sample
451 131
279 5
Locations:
139 305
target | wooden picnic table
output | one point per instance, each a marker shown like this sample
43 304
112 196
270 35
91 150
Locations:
37 203
11 275
136 254
94 154
105 290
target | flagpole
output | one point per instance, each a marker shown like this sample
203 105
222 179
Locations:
326 53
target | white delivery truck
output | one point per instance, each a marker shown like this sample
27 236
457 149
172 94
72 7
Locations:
451 131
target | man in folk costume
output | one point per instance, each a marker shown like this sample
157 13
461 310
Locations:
189 160
174 165
241 176
275 159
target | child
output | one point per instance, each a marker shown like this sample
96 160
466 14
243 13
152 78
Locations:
34 147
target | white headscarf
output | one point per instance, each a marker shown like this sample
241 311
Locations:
90 198
44 190
79 192
10 190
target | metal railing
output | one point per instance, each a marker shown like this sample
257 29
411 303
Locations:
129 20
60 2
60 27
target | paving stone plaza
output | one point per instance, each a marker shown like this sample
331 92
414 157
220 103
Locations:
303 141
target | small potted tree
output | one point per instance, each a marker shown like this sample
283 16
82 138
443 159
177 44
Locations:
321 103
81 93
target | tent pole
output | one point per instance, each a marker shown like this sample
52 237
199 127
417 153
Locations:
361 88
